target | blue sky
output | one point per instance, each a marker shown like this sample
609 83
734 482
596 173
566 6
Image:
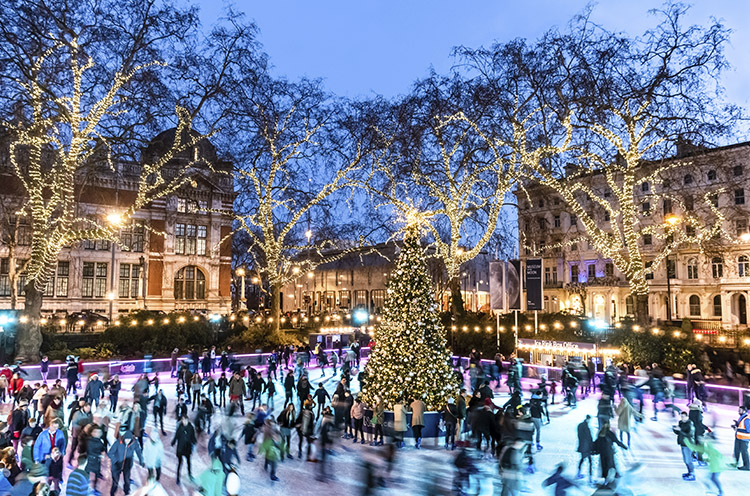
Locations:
362 47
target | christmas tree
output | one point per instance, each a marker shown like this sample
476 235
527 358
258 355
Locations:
410 359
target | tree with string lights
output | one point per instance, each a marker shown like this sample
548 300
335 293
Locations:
447 168
410 359
81 88
593 118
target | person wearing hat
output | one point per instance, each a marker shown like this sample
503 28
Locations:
450 418
121 454
695 414
49 438
94 390
19 418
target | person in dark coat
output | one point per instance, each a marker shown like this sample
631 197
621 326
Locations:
121 453
321 396
604 445
289 388
303 389
94 450
223 385
114 385
94 390
450 419
585 446
184 438
159 408
481 423
71 374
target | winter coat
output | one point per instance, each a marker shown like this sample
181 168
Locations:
585 442
624 413
358 410
303 387
696 417
482 421
94 450
43 445
417 408
78 483
321 395
450 414
399 417
184 438
94 390
122 450
153 452
237 387
289 383
684 430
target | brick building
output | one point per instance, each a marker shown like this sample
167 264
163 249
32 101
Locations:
170 256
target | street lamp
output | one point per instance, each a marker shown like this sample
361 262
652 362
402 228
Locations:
111 298
241 272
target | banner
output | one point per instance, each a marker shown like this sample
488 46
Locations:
497 283
513 284
534 284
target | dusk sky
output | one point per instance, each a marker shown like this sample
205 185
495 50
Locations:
363 47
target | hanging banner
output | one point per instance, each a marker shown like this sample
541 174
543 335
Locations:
534 284
513 284
497 282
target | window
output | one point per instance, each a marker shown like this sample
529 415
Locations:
743 266
645 207
629 305
665 184
188 206
541 203
129 280
189 284
591 271
609 269
688 179
345 298
94 283
606 216
717 268
360 298
557 221
690 230
740 226
695 306
647 239
692 268
672 269
574 273
378 300
737 171
542 223
717 306
573 220
190 239
649 272
556 201
23 233
739 196
667 206
57 284
96 244
689 204
550 275
644 187
132 236
711 175
574 247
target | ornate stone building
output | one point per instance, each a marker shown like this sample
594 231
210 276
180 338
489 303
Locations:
170 256
710 286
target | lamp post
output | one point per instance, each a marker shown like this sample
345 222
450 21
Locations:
114 220
241 272
476 294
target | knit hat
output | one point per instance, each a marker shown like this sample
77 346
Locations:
696 405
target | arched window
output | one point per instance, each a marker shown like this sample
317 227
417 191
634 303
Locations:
688 179
717 306
189 284
717 267
743 266
692 268
711 175
695 306
629 305
644 187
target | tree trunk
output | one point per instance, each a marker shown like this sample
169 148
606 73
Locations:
276 308
457 301
29 336
641 309
12 272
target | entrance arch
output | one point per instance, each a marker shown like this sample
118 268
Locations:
742 309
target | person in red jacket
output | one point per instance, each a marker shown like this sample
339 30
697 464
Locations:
15 385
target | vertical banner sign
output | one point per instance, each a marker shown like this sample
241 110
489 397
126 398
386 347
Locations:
513 284
534 284
497 276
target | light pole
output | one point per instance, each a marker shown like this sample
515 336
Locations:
476 294
241 272
114 219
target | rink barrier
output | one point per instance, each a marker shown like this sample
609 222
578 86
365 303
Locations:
717 393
